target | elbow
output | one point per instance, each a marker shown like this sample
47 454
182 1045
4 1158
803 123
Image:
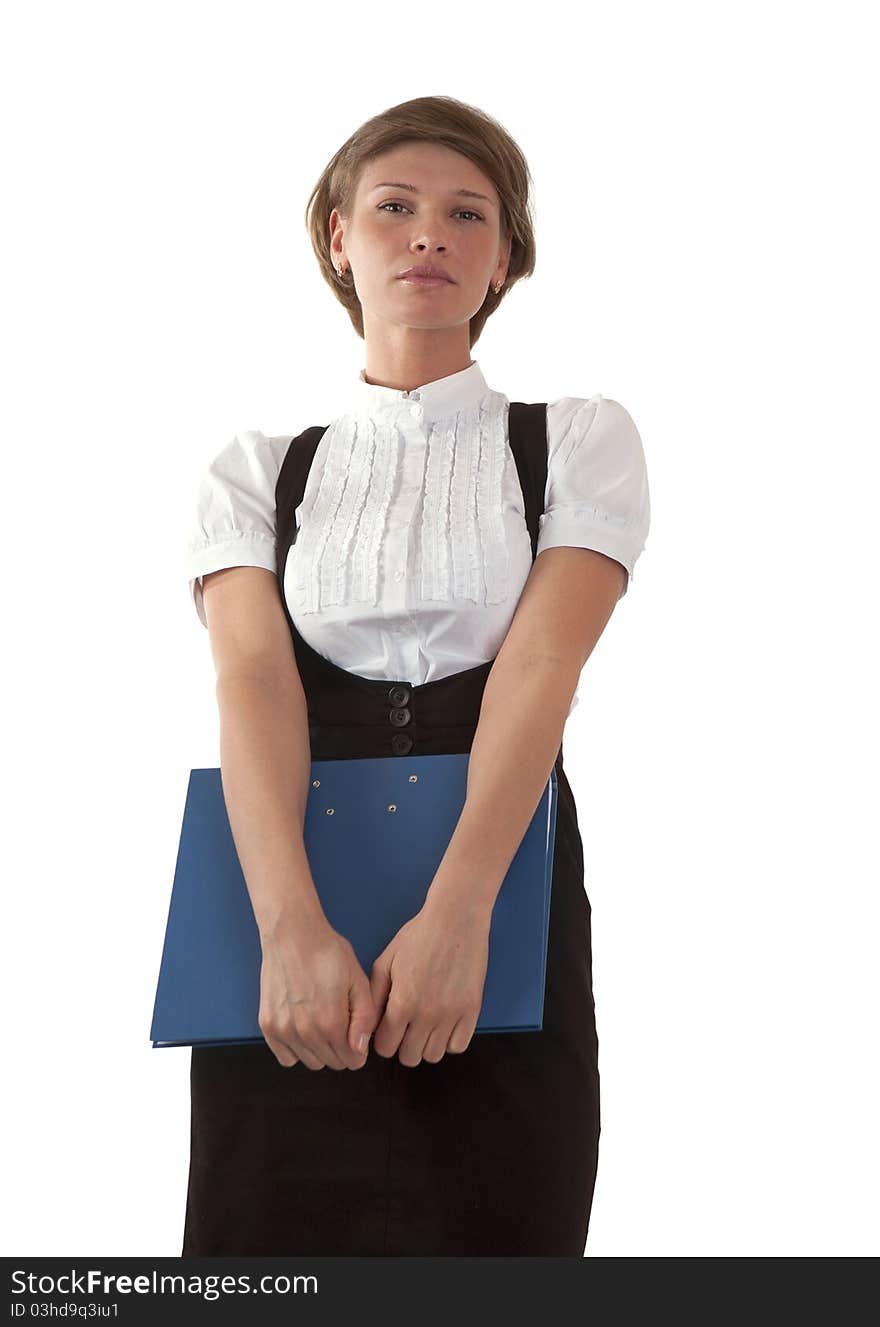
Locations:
544 680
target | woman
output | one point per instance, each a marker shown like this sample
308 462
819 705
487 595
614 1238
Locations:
447 560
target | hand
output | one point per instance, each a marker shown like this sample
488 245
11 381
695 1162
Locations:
429 979
315 1002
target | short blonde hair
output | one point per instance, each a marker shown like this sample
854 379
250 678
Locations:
454 124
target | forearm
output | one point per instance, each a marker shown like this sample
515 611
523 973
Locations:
265 762
518 737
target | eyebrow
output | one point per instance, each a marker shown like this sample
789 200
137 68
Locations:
462 193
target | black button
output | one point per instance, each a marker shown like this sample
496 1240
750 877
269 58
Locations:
399 717
399 695
401 744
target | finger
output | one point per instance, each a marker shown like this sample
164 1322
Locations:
317 1044
362 1017
391 1031
303 1054
413 1044
352 1059
437 1044
380 985
462 1034
286 1057
358 1043
329 1055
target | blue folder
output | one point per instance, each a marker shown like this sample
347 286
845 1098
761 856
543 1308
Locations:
375 833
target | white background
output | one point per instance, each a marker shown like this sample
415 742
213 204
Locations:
707 255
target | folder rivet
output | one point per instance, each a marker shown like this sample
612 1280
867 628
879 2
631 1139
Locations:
414 778
316 783
329 811
392 807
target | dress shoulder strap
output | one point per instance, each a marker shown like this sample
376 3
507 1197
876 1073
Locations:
291 487
527 435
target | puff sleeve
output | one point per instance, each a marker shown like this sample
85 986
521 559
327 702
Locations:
597 492
234 520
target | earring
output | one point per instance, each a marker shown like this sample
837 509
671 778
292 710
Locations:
339 272
497 288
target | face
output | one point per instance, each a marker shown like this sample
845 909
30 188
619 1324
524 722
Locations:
392 228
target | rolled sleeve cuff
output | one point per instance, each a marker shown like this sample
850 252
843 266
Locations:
587 528
247 548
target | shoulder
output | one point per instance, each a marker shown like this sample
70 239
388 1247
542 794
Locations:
242 475
250 452
595 460
236 486
597 493
590 422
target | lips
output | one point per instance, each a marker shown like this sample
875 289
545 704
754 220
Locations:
427 270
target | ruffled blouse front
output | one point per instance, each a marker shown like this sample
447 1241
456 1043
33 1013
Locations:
412 547
377 478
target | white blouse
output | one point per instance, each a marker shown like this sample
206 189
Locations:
412 547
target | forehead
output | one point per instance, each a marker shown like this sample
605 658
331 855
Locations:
427 167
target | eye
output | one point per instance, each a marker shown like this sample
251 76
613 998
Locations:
461 210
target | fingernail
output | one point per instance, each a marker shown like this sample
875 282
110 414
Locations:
362 1042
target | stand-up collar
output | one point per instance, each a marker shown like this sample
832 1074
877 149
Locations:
441 399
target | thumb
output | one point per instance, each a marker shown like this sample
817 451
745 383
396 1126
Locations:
380 983
363 1016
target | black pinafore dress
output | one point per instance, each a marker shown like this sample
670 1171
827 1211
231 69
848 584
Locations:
491 1152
